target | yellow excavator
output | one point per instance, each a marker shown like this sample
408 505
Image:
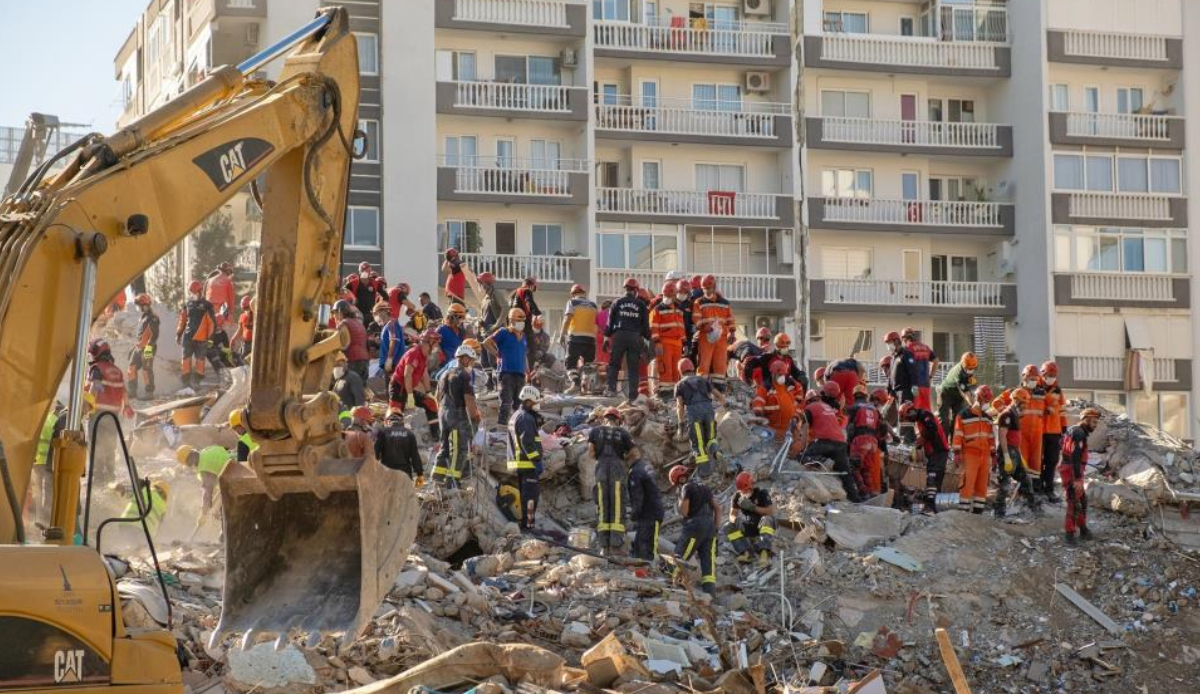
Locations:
313 538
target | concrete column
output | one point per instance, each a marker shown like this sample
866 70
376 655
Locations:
1189 99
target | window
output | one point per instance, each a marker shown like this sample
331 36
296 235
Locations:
617 10
460 234
547 239
730 250
955 268
1091 99
368 53
362 227
843 103
723 177
1165 176
368 144
462 150
1068 172
1134 174
651 175
1099 173
953 188
846 340
845 263
1120 249
847 183
506 153
846 22
1129 99
908 26
645 247
1167 411
608 93
464 66
1060 97
717 97
952 110
910 185
546 155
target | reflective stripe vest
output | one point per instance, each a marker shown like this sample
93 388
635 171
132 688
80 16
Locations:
973 434
666 324
708 314
524 442
43 445
1033 414
213 460
158 509
1056 403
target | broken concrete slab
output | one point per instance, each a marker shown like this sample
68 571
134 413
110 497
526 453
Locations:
1088 608
859 527
474 662
263 668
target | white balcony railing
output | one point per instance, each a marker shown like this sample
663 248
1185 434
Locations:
535 13
545 98
742 39
751 119
915 293
732 287
914 212
1098 44
1127 126
510 176
1113 369
909 51
1120 206
699 203
1122 287
515 268
910 132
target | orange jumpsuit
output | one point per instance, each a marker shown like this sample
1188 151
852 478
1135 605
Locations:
779 406
712 320
1033 417
974 442
667 332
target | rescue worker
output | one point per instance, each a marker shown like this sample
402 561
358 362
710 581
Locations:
827 436
363 290
847 373
141 357
43 462
668 334
974 446
411 377
701 515
1011 461
358 435
901 370
1033 424
539 345
746 354
1074 463
696 415
459 416
884 433
525 454
196 325
398 302
932 440
578 331
218 291
782 343
1055 423
246 328
209 463
763 338
862 433
954 392
611 446
627 330
683 301
776 402
392 342
430 310
453 331
456 278
155 496
246 443
356 353
347 384
522 298
645 509
106 392
925 363
510 346
754 535
491 310
396 448
713 320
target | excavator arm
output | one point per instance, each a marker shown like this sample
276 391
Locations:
69 243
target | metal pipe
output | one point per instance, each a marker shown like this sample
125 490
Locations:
87 294
284 44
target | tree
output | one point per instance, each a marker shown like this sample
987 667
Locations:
213 244
165 280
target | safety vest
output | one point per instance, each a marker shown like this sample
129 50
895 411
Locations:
825 423
666 324
582 320
248 441
1034 413
112 391
43 446
213 460
158 509
1055 403
973 434
709 314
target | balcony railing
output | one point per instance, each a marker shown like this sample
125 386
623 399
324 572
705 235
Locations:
699 203
1130 126
915 293
1120 206
876 375
750 119
742 39
537 13
515 268
910 132
545 98
1097 44
1122 287
914 212
908 51
1113 369
511 176
732 287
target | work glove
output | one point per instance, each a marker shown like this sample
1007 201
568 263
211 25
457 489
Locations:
1008 463
420 481
148 352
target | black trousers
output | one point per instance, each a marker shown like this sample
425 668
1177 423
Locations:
625 346
1051 454
839 453
580 352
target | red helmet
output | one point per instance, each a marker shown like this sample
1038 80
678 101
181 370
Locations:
612 413
905 410
831 389
451 253
763 333
363 413
879 396
578 289
1030 372
695 281
779 367
668 289
744 481
686 366
486 278
1050 369
908 334
678 474
364 266
195 287
246 302
811 395
143 299
885 364
531 282
98 348
819 374
708 282
893 336
983 394
631 283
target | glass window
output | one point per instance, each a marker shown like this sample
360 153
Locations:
464 66
833 103
617 10
723 177
1109 256
368 144
704 97
543 70
1145 408
846 22
1099 173
1129 100
547 239
850 104
1060 97
847 183
641 251
1131 175
362 227
1113 402
1068 172
368 53
1155 255
910 185
510 69
651 178
1164 176
666 252
1132 259
612 250
1179 256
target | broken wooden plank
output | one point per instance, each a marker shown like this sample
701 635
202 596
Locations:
950 659
1088 608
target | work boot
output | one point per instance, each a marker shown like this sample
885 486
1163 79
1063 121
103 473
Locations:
764 559
1085 533
1050 495
999 512
1069 539
610 394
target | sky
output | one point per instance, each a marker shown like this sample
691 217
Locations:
57 58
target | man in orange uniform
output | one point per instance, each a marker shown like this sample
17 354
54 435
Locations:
1033 416
713 321
667 332
246 327
974 444
218 290
776 402
1055 424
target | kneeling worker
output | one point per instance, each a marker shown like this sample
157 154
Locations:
210 463
525 453
701 515
155 504
755 533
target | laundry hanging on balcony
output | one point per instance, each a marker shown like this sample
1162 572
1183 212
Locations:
1139 357
721 203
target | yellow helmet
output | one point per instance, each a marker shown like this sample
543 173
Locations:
163 489
183 453
457 310
237 418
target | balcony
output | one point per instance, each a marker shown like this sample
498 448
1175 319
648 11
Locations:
692 206
1122 290
1114 49
507 180
758 44
513 100
753 289
511 270
1117 130
907 55
925 216
754 123
914 296
1108 373
544 17
1140 209
910 136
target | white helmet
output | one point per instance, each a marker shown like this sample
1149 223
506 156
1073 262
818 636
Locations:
529 393
465 351
673 276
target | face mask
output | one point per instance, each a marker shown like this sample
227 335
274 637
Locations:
194 297
519 325
339 371
1050 380
667 299
1030 382
682 296
780 379
970 372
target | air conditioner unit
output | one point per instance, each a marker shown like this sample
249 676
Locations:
568 57
757 7
816 328
252 34
758 81
768 322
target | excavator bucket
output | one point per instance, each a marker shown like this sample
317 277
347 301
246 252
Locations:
305 563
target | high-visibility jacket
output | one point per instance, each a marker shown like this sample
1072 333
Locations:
196 321
158 509
107 385
43 445
1056 405
213 460
777 404
709 314
1033 414
666 324
973 434
219 292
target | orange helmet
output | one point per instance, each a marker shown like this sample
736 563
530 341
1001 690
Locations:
885 364
644 294
631 283
578 289
908 334
811 396
142 299
779 367
246 302
195 287
819 374
1089 413
1049 370
695 281
744 481
1029 373
969 361
708 281
668 289
678 474
1021 396
831 389
783 342
879 396
486 278
983 394
860 390
893 336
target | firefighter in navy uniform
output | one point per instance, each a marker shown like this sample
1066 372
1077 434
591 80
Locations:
756 531
396 448
525 453
701 515
458 415
696 415
611 446
1074 462
645 508
627 331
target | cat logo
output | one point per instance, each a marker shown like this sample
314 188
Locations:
226 164
68 666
